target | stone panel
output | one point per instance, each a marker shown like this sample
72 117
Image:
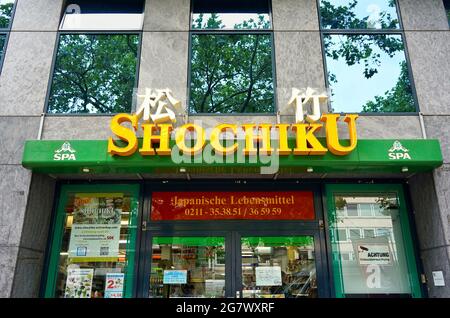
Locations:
299 64
295 15
25 73
28 271
8 257
164 63
438 127
17 130
167 15
37 15
423 15
14 189
429 52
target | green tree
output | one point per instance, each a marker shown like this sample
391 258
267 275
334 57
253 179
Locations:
5 14
398 99
94 74
231 72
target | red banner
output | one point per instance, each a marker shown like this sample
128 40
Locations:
290 205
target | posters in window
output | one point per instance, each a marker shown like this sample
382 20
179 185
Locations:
268 276
96 225
79 283
114 285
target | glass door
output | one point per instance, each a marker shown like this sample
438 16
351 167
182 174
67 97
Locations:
278 267
236 264
187 267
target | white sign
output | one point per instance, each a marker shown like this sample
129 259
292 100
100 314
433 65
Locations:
79 283
114 285
438 279
268 276
174 277
374 254
66 152
96 225
94 242
214 287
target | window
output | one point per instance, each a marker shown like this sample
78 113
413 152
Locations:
352 209
369 233
447 10
231 65
93 247
6 15
96 72
363 44
379 257
365 209
354 234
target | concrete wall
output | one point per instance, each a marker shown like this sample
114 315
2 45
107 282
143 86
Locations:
428 40
298 57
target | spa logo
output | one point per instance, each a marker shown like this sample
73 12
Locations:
66 152
398 152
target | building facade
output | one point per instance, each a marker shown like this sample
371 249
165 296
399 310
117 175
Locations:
309 222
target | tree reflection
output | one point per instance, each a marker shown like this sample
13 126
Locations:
231 72
94 74
370 50
5 14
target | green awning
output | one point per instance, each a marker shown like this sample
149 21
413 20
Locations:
371 155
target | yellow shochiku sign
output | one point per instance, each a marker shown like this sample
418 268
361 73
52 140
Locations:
157 135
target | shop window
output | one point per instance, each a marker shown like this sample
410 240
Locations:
383 261
231 65
6 14
96 72
363 44
93 246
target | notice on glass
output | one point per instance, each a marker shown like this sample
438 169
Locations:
174 277
268 276
114 285
79 283
374 254
215 287
96 225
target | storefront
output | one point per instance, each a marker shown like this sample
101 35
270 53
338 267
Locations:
178 236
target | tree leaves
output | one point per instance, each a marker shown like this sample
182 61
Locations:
94 73
231 73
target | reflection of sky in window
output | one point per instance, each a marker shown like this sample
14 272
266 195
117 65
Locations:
229 20
352 89
369 8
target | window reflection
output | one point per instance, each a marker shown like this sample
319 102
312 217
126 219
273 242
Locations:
376 64
231 74
94 73
369 245
230 14
447 10
2 44
6 9
103 15
358 14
